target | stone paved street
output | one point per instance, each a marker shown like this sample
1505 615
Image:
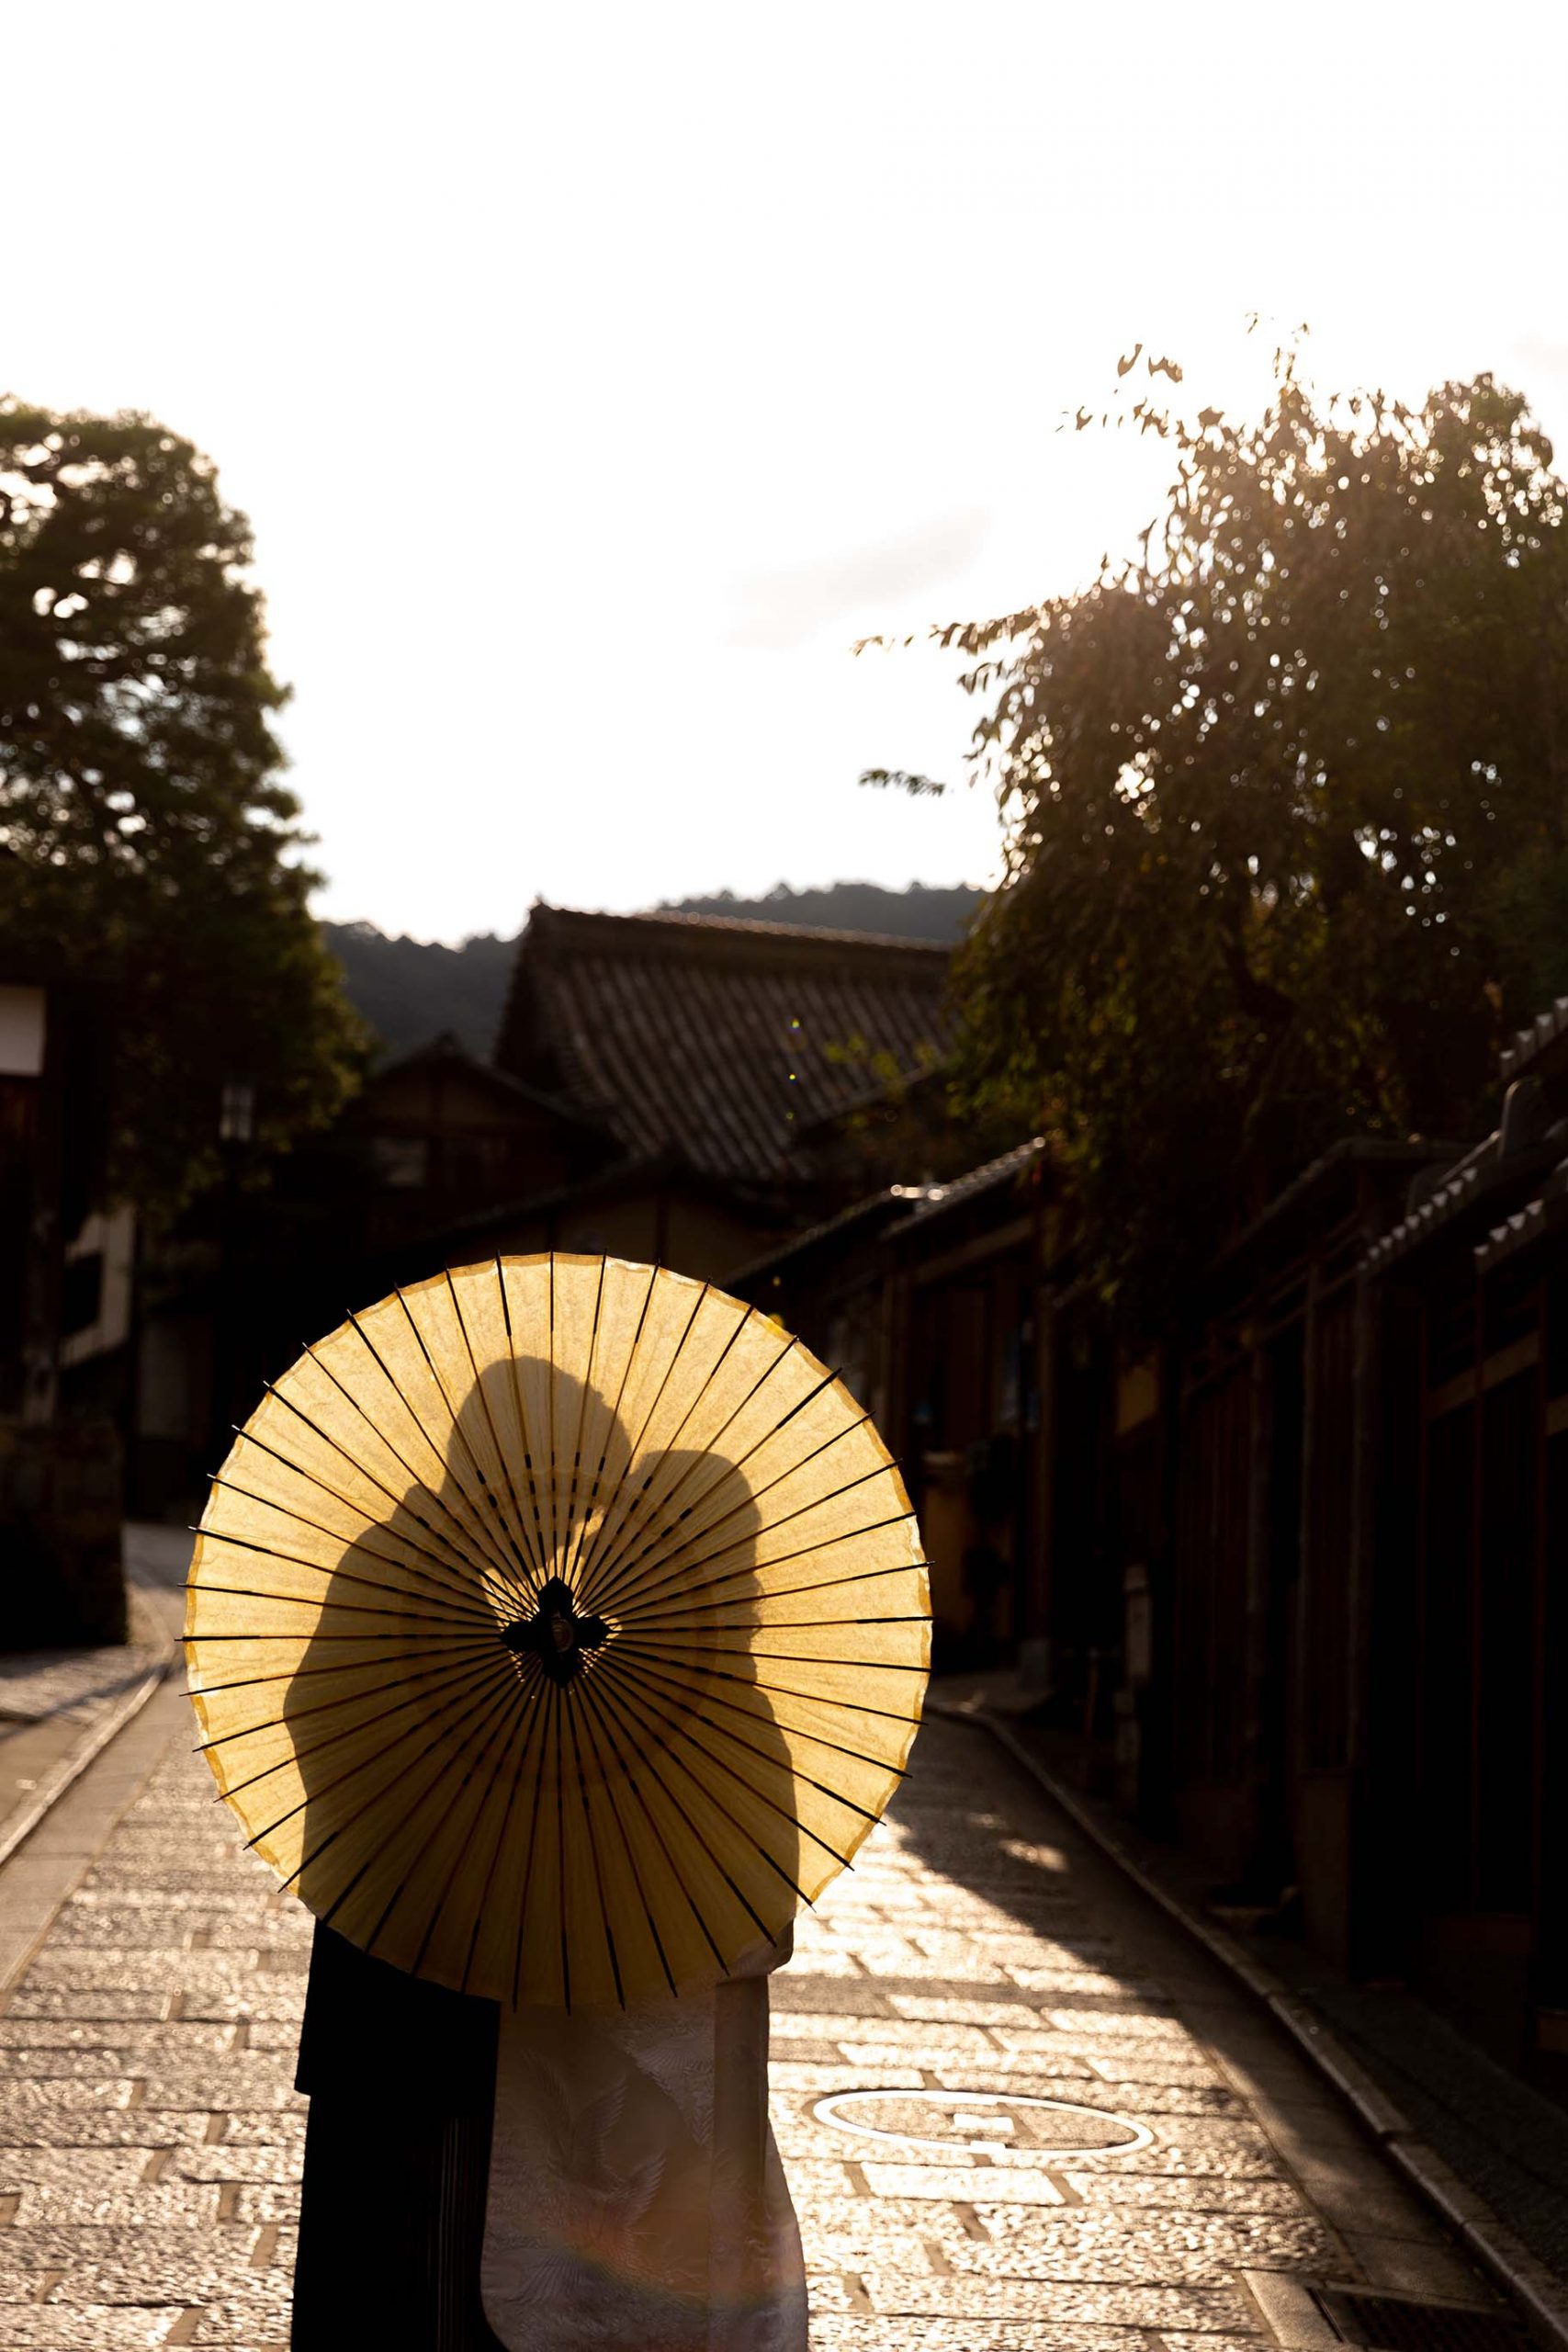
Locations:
51 1701
981 1956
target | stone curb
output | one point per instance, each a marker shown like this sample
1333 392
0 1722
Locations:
69 1771
1534 2287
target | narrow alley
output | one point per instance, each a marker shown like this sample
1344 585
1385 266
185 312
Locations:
1018 2107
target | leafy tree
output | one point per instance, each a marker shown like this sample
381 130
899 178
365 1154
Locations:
145 837
1287 809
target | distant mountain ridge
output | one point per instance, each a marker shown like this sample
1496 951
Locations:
409 989
921 911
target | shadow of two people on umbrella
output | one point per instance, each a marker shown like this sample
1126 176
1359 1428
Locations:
623 2155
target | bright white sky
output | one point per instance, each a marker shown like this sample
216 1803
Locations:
594 375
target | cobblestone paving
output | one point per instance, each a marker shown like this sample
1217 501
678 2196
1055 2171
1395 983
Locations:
149 2139
70 1682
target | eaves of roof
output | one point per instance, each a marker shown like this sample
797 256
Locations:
942 1200
1533 1044
1351 1151
606 1183
634 933
894 1202
445 1051
1545 1215
1465 1186
1461 1184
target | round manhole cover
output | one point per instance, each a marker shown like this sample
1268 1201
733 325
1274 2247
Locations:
983 2123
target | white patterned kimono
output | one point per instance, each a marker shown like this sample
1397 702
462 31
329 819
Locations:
637 2200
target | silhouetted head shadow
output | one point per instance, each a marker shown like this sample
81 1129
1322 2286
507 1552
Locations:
524 1701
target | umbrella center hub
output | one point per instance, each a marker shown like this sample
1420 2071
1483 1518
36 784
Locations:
556 1637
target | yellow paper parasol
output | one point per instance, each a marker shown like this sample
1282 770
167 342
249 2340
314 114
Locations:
557 1627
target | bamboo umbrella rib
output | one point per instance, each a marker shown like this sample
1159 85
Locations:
245 1682
777 1657
612 1698
593 1856
440 1669
473 1678
616 1563
573 1571
794 1591
780 1765
460 1434
551 1500
551 1494
559 1545
624 1567
680 1732
474 1537
636 1447
591 1703
523 1732
308 1636
785 1624
443 1586
486 1495
502 1716
460 1846
583 1395
499 1848
463 1547
474 1673
461 1570
594 1703
450 1705
518 1530
671 1565
787 1691
464 1541
677 1725
748 1714
587 1561
628 1613
569 1518
690 1409
518 1399
334 1575
377 1851
533 1847
673 1442
559 1696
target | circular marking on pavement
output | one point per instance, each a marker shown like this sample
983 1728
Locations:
984 2123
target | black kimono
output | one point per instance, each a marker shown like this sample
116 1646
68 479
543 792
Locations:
400 2078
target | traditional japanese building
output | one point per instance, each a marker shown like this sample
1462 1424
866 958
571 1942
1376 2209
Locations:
63 1314
1293 1586
740 1073
681 1089
1472 1573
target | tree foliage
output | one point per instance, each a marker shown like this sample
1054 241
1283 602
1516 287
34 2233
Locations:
1287 809
146 839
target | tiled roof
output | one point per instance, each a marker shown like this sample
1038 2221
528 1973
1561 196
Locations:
1448 1192
1543 1214
1349 1152
723 1039
1530 1044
